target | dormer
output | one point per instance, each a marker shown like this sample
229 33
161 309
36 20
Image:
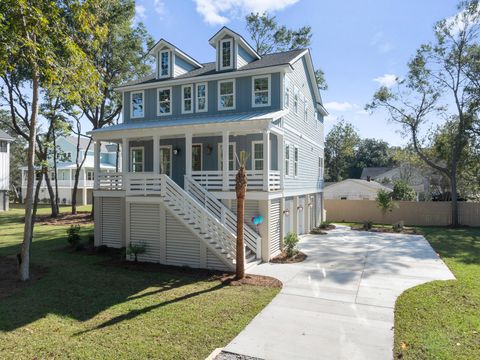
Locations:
232 51
171 61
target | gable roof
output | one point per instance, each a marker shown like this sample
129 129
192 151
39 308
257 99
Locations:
84 143
4 136
227 31
374 172
162 42
372 185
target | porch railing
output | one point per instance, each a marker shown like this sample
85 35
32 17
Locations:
213 180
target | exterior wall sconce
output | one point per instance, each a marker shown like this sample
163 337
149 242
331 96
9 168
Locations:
209 149
176 151
310 204
286 212
300 208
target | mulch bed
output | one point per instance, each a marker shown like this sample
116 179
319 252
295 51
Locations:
256 280
408 231
65 219
9 283
282 258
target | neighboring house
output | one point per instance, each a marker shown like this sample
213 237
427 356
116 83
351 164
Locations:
183 128
66 167
5 140
353 189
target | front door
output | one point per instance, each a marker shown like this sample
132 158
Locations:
166 160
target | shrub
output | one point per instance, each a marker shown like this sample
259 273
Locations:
403 191
136 249
367 225
398 227
317 231
290 242
325 225
73 235
384 202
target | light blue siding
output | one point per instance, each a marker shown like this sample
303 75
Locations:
243 57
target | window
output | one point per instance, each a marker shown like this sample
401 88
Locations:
136 107
202 97
197 157
287 160
261 91
90 175
295 161
320 167
286 100
136 156
164 101
226 54
164 63
305 109
3 146
166 160
68 156
187 99
231 156
295 99
226 95
257 155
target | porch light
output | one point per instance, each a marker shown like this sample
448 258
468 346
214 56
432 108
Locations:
300 208
286 212
176 151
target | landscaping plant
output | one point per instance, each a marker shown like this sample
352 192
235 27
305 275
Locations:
136 249
384 202
290 242
241 189
73 235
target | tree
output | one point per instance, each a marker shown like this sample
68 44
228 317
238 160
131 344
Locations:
118 56
38 50
370 153
384 202
269 37
403 191
241 189
340 147
439 84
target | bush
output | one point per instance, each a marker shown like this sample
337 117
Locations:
398 227
73 235
403 191
367 225
325 225
136 249
290 242
317 231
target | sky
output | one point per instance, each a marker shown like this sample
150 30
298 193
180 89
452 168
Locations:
359 44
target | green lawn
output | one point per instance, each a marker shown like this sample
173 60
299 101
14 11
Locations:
82 309
441 319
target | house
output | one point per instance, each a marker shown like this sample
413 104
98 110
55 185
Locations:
353 189
183 128
5 140
66 167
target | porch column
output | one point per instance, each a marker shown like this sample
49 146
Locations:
156 154
225 147
266 159
188 154
125 155
281 159
96 165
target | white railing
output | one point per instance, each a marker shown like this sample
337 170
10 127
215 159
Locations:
64 183
274 180
143 184
213 180
222 213
110 181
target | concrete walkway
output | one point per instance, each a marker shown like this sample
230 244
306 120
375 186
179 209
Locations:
338 304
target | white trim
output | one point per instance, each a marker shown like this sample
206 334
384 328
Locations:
158 101
219 107
253 155
305 109
285 168
206 97
183 99
164 43
220 65
131 104
296 151
269 81
225 30
169 147
160 76
286 89
201 155
220 158
295 99
132 148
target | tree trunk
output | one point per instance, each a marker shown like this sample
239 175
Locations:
74 192
240 189
55 171
35 201
54 212
24 270
453 190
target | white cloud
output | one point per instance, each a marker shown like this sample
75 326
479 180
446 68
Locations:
159 6
219 12
387 80
338 106
140 13
461 20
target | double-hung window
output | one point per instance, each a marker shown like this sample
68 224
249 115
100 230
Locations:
295 99
136 104
201 102
90 175
226 54
226 95
136 158
295 161
231 156
164 63
261 91
164 98
286 100
3 146
287 159
257 155
320 167
187 99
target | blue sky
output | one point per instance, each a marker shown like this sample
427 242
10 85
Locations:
359 44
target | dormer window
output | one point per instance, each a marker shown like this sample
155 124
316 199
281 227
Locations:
226 54
164 63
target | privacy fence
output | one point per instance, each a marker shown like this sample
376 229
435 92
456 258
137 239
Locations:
412 213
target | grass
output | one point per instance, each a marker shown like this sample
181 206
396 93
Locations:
441 319
84 310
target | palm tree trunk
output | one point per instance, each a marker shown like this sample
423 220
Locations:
240 189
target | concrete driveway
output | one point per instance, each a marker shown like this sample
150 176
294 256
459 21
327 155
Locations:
338 304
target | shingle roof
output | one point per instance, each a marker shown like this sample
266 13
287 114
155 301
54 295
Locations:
5 136
374 172
281 58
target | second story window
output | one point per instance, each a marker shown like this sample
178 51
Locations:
164 101
287 160
226 95
295 99
164 63
202 98
226 54
136 157
136 106
187 99
260 91
295 161
320 167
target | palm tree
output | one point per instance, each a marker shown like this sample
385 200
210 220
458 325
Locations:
241 189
